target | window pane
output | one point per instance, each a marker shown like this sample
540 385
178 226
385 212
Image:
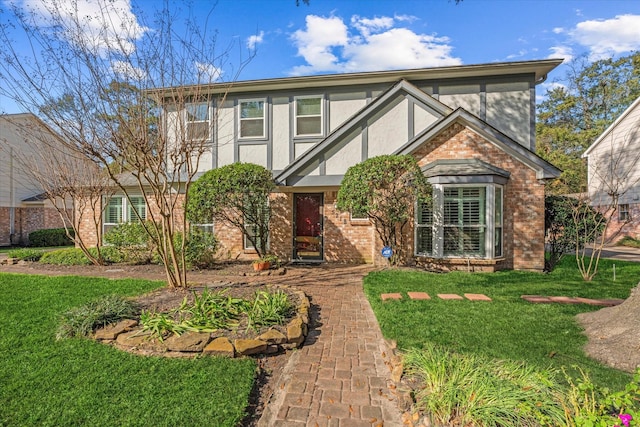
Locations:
251 127
309 126
464 221
424 243
113 213
197 112
137 205
308 106
198 131
425 213
252 109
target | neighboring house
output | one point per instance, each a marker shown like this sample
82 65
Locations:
23 208
614 173
472 129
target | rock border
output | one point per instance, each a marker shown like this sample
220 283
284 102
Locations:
128 335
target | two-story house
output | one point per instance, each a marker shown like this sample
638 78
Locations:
23 208
471 127
613 162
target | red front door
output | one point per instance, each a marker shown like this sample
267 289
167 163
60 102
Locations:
308 222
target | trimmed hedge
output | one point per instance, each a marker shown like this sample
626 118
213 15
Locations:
50 237
75 256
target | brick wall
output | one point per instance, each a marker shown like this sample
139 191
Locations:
26 220
523 223
618 229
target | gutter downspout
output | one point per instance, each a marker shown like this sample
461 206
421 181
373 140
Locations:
12 208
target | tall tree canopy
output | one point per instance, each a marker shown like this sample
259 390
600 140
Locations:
573 115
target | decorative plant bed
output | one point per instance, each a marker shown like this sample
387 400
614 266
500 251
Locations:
239 340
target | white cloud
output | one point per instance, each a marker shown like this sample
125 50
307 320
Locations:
564 52
127 70
96 25
208 73
327 45
254 40
558 30
608 37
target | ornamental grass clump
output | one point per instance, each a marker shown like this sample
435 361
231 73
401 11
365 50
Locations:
83 320
460 390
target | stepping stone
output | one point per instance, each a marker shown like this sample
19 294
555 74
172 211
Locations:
564 300
419 295
450 297
390 296
477 297
536 299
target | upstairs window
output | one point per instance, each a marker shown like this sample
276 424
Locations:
252 123
197 122
309 120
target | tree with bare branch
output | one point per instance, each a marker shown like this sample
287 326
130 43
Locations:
94 79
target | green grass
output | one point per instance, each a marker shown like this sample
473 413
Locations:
76 382
507 328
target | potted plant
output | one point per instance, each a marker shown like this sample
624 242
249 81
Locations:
265 262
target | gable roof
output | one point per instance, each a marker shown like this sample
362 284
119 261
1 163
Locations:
544 169
613 125
358 118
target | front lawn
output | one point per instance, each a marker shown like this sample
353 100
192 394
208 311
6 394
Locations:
508 327
46 382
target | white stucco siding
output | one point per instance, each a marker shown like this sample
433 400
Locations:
343 105
225 134
301 147
465 96
509 109
422 119
281 132
389 130
337 161
253 154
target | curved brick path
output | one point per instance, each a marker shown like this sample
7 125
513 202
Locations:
339 377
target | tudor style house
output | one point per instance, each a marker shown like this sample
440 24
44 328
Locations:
613 162
471 128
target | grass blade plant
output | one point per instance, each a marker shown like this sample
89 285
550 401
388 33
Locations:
269 308
83 320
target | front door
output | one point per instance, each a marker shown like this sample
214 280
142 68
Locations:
307 232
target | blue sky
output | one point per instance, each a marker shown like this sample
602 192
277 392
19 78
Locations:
335 36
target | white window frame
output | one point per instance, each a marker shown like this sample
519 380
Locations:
492 223
296 116
126 211
188 121
241 119
624 214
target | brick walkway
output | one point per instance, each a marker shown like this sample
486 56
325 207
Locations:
339 378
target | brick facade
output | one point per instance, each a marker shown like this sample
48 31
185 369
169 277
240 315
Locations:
27 219
355 241
630 227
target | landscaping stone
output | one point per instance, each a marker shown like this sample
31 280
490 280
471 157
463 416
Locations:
477 297
295 333
419 295
134 338
273 336
390 296
450 297
249 347
220 346
189 342
111 332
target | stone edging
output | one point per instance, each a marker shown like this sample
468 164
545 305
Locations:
128 335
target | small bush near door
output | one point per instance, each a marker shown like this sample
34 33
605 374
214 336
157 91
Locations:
50 237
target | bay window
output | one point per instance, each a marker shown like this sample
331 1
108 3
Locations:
461 221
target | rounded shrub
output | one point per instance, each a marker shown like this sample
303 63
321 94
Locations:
133 242
50 237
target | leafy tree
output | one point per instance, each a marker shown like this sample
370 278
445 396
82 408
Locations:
385 188
573 115
238 195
